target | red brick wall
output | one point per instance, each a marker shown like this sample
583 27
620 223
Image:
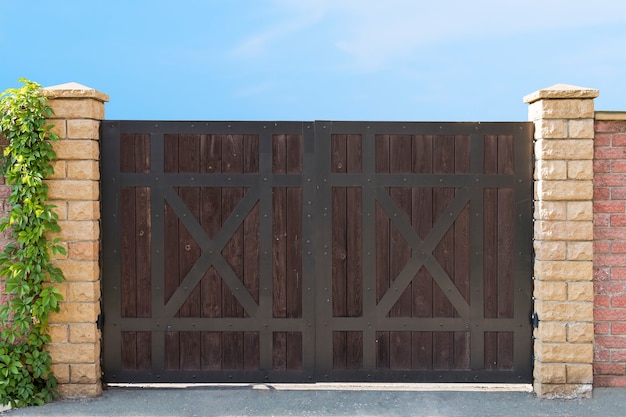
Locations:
610 253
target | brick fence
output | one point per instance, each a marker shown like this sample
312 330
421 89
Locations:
610 250
580 241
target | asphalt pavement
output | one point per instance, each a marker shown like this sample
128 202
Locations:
331 400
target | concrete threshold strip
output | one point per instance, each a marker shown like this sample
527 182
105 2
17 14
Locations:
343 386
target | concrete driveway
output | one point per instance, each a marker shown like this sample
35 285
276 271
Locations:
331 400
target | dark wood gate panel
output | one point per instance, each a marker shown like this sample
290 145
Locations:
326 251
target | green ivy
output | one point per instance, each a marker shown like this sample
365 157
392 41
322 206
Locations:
25 374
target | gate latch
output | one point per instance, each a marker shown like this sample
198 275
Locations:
535 320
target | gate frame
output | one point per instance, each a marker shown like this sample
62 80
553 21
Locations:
317 241
565 305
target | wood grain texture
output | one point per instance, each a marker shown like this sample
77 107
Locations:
378 197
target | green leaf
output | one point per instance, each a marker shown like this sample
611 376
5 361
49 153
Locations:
25 374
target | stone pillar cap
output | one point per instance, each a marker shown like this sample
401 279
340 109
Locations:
561 91
74 90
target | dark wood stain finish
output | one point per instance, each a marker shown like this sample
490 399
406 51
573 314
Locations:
215 257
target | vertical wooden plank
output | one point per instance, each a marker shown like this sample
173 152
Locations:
462 253
400 152
251 222
339 248
422 220
233 351
211 220
129 350
279 352
354 353
128 250
382 250
251 351
443 162
294 251
211 351
144 351
172 271
128 293
142 229
279 249
143 250
490 248
382 350
232 162
506 254
294 351
354 266
251 253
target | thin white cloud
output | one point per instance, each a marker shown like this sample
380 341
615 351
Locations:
260 42
374 34
392 30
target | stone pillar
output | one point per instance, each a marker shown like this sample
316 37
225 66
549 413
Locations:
563 240
74 189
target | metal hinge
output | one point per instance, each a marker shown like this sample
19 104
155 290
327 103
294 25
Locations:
534 319
100 321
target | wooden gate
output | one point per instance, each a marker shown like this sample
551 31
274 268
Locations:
316 251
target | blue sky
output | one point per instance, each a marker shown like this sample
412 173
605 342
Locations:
443 60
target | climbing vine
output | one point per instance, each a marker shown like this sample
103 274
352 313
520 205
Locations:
25 265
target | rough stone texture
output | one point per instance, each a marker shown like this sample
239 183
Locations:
73 390
581 129
75 190
580 210
580 170
561 91
564 149
551 129
83 210
84 333
84 374
89 170
550 251
62 373
76 230
551 210
580 333
561 109
564 190
579 251
564 230
71 108
77 149
580 291
75 270
551 373
553 332
83 129
609 210
551 290
582 374
550 170
72 189
563 233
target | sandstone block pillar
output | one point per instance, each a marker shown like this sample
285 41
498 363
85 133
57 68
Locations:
563 240
74 190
